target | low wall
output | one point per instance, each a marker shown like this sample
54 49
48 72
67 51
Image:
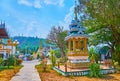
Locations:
83 73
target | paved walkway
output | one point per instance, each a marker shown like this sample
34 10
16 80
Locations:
28 72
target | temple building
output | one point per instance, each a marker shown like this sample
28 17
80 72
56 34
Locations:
3 32
77 44
7 46
39 51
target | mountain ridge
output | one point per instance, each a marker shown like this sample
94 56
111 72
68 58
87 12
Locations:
29 44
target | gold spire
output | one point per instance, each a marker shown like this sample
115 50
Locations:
40 47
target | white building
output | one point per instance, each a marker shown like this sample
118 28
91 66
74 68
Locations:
6 47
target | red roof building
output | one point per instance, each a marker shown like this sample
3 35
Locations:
3 32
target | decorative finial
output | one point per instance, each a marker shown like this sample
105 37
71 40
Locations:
75 10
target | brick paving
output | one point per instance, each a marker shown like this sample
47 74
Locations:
28 72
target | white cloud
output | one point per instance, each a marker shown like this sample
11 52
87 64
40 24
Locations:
25 2
54 2
49 2
35 3
61 3
67 18
30 27
34 28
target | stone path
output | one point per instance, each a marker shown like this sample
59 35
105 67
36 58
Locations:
28 72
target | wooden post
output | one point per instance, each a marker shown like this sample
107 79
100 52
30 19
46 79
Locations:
69 45
85 46
58 64
45 64
79 43
65 67
74 44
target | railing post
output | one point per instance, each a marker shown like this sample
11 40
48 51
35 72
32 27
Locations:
58 64
65 67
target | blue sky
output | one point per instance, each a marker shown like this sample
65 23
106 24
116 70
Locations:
35 17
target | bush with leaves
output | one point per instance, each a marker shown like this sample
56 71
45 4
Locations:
53 57
57 53
44 64
38 56
1 61
93 56
19 62
116 66
116 54
63 60
95 70
11 61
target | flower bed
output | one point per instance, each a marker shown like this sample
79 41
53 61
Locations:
7 74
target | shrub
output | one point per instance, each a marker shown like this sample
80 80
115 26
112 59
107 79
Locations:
116 63
44 64
116 54
93 56
116 66
38 56
52 57
57 53
95 70
19 61
31 58
11 61
63 60
1 61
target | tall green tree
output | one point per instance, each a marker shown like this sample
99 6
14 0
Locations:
57 36
103 22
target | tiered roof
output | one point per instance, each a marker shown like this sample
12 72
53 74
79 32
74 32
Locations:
3 32
76 29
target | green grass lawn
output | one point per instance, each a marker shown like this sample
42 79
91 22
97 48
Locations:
10 67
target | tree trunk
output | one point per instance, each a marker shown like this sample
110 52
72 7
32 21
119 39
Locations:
62 52
116 36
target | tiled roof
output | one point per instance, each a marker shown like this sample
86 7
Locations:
3 32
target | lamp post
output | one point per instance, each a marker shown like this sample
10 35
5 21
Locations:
15 43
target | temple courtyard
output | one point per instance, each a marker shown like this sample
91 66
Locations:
60 40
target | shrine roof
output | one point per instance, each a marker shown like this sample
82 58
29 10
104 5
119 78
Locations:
76 28
3 32
76 36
